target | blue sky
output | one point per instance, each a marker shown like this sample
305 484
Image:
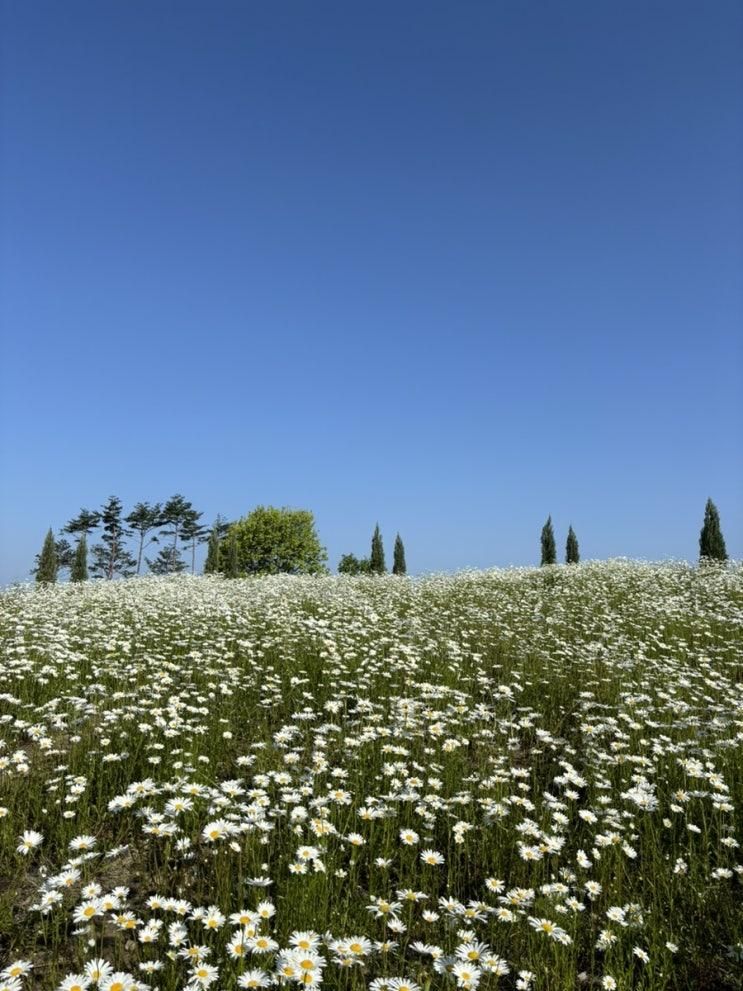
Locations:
448 266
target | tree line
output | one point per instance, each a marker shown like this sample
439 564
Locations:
711 541
175 525
268 540
375 564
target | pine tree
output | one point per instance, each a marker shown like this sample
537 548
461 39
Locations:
143 519
549 551
167 562
572 555
111 557
85 522
398 562
232 568
711 541
193 532
176 512
79 572
377 564
46 570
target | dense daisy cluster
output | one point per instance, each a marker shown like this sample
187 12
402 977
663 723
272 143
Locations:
522 779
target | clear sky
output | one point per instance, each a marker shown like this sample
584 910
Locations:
448 266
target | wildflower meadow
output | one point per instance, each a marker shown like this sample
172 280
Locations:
523 779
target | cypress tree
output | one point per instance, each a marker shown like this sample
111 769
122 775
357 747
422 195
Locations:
398 564
711 541
232 569
46 570
549 551
79 572
572 555
376 560
211 565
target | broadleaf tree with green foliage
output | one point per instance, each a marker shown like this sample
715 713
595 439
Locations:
549 550
572 554
279 541
349 564
711 541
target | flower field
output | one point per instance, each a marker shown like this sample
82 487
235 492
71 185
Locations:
524 779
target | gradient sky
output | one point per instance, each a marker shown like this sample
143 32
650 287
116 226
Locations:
448 266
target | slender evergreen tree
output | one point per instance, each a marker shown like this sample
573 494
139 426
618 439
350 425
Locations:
549 551
65 554
377 564
46 569
143 520
211 565
398 561
232 566
711 541
79 572
572 554
81 525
